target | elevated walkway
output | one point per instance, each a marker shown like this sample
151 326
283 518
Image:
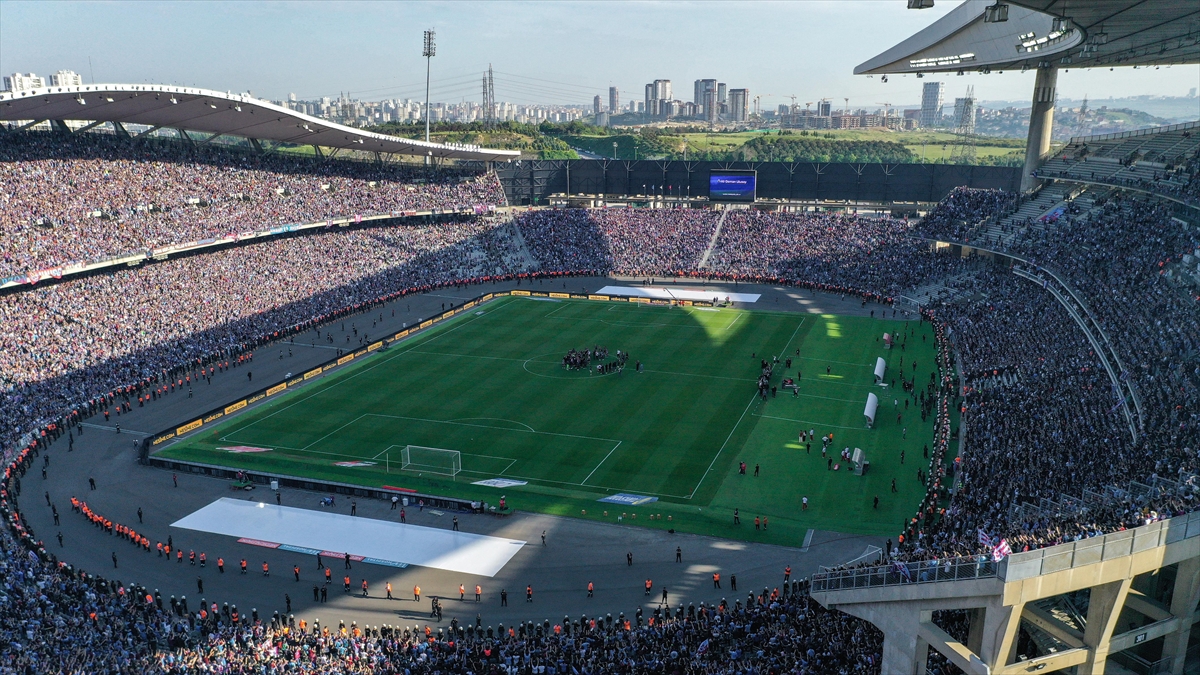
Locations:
1141 588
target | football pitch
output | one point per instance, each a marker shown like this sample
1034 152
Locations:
491 385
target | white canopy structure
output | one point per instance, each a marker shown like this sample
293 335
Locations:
880 369
869 412
191 109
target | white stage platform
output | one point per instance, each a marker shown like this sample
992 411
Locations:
384 541
677 293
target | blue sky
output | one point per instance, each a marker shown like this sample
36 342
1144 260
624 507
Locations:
542 52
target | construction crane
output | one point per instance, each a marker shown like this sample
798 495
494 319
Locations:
824 100
885 105
846 111
757 106
793 108
806 105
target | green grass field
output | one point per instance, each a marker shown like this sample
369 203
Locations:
490 385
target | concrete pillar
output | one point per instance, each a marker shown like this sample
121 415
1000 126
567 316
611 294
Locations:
975 634
1041 123
998 637
1184 599
904 653
1104 607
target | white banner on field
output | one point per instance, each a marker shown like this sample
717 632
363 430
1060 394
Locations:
678 293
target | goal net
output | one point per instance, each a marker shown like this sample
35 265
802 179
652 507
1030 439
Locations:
432 460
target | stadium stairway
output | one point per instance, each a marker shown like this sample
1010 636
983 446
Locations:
712 243
1002 234
530 263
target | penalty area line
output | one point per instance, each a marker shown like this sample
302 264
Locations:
610 452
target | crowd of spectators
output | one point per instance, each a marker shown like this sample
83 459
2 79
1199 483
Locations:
58 620
878 255
1039 406
89 197
868 256
962 210
64 344
638 242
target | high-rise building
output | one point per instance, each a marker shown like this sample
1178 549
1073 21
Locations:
596 105
931 103
702 89
23 82
738 98
66 78
614 100
662 90
721 95
824 108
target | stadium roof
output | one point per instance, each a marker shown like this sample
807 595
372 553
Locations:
1036 33
215 112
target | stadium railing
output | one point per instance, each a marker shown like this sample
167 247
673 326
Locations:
899 573
1023 565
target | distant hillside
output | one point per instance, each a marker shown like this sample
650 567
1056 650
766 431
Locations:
527 138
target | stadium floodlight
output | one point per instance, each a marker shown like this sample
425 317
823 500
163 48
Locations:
428 52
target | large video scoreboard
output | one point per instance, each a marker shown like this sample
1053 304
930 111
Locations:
731 186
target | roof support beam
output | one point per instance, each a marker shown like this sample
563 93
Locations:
120 129
97 123
186 138
60 126
210 138
317 150
25 126
257 146
149 131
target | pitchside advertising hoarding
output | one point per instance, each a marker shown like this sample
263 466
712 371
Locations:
731 186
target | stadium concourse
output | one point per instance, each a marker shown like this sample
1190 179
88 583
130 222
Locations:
1040 416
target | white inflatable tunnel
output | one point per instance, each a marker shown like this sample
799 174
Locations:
872 406
880 369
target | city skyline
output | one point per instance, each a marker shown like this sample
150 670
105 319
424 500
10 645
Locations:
565 53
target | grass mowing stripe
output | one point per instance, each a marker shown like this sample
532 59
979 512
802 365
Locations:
349 376
735 426
495 391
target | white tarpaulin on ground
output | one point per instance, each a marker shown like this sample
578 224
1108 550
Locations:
880 369
872 406
367 537
677 293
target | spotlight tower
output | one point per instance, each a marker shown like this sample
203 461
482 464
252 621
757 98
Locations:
428 52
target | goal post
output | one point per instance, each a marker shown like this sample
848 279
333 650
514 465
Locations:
431 460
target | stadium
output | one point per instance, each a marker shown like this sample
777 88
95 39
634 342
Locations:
431 379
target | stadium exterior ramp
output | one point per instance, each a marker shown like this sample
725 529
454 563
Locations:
982 36
1143 587
214 112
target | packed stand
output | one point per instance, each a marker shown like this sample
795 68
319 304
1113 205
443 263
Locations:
1124 258
877 255
874 258
963 209
637 242
88 197
1040 422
